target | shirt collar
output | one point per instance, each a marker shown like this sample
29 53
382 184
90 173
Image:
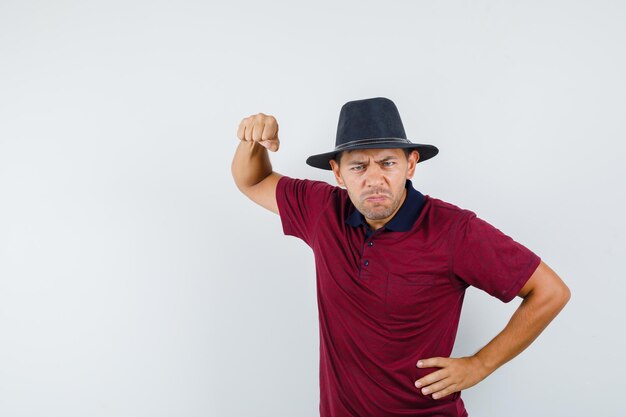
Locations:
404 218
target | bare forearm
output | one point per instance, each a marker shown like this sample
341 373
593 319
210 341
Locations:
533 315
545 295
528 321
251 164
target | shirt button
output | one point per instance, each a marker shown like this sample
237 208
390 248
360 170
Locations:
371 243
367 263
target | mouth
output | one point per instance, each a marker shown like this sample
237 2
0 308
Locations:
376 198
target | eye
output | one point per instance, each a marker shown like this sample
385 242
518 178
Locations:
354 168
388 163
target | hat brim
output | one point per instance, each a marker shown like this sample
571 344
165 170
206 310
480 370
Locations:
322 160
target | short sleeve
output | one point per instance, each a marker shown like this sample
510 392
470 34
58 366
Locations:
300 205
486 258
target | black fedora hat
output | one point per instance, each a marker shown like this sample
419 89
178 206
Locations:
372 123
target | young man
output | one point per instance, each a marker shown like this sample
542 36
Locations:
392 267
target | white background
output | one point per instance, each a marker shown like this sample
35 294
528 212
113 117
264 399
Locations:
136 280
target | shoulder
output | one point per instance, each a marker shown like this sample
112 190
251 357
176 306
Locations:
445 212
303 202
308 194
287 184
287 180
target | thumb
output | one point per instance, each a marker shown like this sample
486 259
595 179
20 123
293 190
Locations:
271 144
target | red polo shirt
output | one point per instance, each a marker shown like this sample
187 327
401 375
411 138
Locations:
390 297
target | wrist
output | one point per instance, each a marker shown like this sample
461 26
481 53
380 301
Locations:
482 365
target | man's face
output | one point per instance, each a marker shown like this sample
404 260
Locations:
375 179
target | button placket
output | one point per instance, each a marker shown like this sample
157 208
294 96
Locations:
365 259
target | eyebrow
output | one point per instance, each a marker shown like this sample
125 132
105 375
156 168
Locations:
380 160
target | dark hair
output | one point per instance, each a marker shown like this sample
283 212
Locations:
407 152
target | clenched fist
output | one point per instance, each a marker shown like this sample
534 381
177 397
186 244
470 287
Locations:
261 128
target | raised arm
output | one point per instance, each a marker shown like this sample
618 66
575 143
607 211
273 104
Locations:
251 166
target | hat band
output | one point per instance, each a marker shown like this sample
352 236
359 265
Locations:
370 141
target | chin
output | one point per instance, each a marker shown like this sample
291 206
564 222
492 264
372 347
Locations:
377 214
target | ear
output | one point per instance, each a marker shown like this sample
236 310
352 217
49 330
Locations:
414 156
335 167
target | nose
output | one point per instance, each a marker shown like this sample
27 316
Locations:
374 176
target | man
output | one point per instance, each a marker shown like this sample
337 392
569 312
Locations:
392 267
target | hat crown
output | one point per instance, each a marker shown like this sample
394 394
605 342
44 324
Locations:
371 123
376 117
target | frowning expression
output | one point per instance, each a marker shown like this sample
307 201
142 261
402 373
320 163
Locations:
375 180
